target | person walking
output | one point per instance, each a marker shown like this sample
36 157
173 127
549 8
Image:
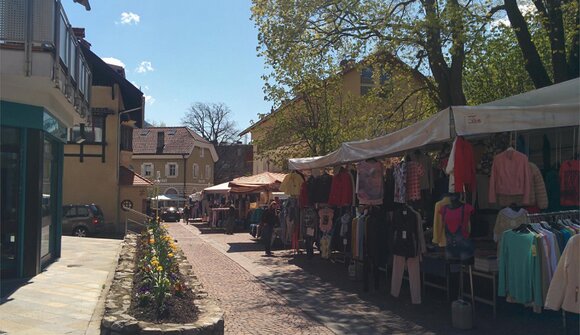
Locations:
269 221
231 219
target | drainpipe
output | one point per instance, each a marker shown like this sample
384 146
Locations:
184 178
118 204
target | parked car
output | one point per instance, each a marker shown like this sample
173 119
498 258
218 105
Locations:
82 220
170 214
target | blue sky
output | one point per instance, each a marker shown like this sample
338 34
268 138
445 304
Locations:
180 52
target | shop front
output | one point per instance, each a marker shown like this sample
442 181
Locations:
490 191
31 160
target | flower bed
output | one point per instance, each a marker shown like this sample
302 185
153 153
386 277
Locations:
154 291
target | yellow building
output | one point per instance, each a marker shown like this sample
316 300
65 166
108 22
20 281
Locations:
178 160
98 153
397 100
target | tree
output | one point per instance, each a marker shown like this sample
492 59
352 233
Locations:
560 20
426 38
211 121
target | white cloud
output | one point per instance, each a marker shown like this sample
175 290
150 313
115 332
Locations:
129 18
113 61
144 67
149 99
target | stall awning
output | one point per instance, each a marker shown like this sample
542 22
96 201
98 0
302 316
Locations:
429 131
266 181
549 107
220 188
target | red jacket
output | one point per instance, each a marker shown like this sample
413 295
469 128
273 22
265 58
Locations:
464 170
341 189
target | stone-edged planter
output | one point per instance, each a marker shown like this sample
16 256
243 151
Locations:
117 321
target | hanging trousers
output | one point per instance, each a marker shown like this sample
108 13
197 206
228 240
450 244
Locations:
414 277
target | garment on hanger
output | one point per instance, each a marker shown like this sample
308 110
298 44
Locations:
563 292
413 183
370 183
305 200
461 167
438 224
400 176
325 215
510 176
292 184
508 218
520 277
570 183
321 188
341 189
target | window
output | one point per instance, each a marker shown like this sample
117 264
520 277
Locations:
88 133
147 169
207 172
195 171
201 152
171 170
82 211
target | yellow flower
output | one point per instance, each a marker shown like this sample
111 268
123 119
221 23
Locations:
151 240
170 255
159 268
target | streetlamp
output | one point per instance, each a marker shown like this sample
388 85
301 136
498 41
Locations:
156 192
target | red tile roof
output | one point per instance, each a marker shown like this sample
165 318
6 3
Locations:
130 178
178 140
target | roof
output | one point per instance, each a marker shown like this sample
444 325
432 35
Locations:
104 75
177 140
130 178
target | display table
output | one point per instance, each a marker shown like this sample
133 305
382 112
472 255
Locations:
217 214
491 275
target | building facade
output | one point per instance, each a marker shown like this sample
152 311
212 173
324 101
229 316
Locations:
45 81
176 159
236 160
399 99
98 152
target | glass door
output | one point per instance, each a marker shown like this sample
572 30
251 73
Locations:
49 175
10 147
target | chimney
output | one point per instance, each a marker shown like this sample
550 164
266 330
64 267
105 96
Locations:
160 141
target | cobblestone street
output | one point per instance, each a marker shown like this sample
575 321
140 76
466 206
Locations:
291 295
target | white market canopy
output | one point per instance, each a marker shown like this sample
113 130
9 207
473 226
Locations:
220 188
549 107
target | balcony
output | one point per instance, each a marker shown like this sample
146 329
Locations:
42 63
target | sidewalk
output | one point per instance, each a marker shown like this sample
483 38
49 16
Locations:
67 297
322 290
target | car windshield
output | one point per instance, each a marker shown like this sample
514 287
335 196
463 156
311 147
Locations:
96 210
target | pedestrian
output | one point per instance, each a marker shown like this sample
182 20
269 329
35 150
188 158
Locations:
269 221
231 219
186 211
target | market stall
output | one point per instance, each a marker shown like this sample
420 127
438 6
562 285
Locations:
450 189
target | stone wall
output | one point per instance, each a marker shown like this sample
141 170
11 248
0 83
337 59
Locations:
117 321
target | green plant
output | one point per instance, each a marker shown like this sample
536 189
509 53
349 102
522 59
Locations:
158 267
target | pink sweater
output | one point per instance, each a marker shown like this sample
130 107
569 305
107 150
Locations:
510 175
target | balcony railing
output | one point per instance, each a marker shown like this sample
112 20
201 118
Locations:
41 26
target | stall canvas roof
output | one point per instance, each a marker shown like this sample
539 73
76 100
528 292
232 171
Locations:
265 181
549 107
220 188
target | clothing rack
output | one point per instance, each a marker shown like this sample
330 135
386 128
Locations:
568 212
